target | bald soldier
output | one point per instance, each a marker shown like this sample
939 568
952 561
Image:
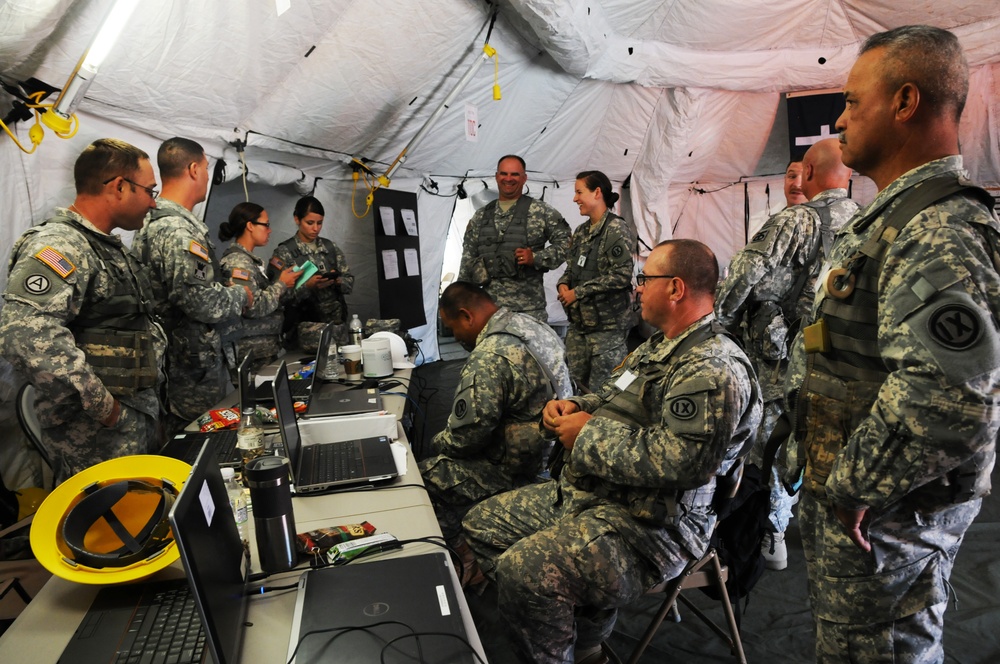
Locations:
895 379
770 287
78 319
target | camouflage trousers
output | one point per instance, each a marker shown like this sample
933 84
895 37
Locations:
81 442
592 356
455 485
781 502
265 349
192 394
886 605
561 573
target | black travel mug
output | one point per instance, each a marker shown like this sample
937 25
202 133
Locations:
271 497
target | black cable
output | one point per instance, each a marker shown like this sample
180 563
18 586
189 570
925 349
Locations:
417 635
345 630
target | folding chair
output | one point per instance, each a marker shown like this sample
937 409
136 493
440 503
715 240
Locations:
706 571
29 422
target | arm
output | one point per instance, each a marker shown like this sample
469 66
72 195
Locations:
555 231
470 246
192 285
346 279
241 270
940 404
34 332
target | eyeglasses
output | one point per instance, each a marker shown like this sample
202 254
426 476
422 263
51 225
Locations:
152 191
640 279
265 224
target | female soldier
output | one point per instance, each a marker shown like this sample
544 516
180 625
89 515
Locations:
259 329
321 299
597 282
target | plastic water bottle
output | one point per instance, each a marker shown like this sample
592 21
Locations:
355 327
250 435
332 368
238 502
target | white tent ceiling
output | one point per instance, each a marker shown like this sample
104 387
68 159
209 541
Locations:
681 95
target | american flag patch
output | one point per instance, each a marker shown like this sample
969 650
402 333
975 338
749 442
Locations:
199 251
277 263
240 273
56 261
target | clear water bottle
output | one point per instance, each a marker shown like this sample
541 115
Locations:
238 502
331 367
250 435
355 327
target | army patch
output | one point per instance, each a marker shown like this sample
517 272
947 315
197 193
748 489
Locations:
37 284
616 251
461 409
683 408
277 263
955 326
240 273
199 251
201 271
759 237
56 261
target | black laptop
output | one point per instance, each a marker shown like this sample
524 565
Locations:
320 464
302 390
401 610
186 446
197 619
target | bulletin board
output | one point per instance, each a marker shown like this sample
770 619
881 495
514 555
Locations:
397 252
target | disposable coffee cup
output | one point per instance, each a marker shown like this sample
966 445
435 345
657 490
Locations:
352 361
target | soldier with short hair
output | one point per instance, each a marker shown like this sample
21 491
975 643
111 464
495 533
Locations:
510 243
769 288
78 319
895 378
190 299
493 441
633 503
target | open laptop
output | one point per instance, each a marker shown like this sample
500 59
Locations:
302 390
411 598
216 565
361 461
187 445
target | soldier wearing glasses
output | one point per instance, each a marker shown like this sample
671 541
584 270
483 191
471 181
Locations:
190 300
78 318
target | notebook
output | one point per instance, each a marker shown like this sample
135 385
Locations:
360 461
331 403
415 595
302 390
186 446
216 565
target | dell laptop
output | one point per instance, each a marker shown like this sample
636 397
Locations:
323 465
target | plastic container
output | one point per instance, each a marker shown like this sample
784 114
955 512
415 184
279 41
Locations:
355 327
238 502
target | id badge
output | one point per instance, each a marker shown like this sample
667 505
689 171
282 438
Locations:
582 260
626 379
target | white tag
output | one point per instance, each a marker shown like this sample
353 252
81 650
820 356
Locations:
625 380
582 260
443 601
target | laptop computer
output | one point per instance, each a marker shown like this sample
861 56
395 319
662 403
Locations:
360 461
411 599
332 403
302 390
211 602
186 446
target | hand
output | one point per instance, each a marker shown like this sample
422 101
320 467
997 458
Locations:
855 522
318 282
567 427
288 277
554 409
567 295
524 256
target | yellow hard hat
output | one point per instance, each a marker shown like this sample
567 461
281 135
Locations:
108 523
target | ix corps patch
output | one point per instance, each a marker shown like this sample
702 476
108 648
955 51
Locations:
56 261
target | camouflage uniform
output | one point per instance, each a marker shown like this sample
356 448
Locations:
260 326
493 441
192 304
783 257
321 305
632 507
488 253
899 416
60 276
599 268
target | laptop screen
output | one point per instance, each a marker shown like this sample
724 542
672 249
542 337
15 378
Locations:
322 356
246 385
215 560
285 410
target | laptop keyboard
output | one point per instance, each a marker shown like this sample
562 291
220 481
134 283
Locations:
332 462
225 443
165 629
